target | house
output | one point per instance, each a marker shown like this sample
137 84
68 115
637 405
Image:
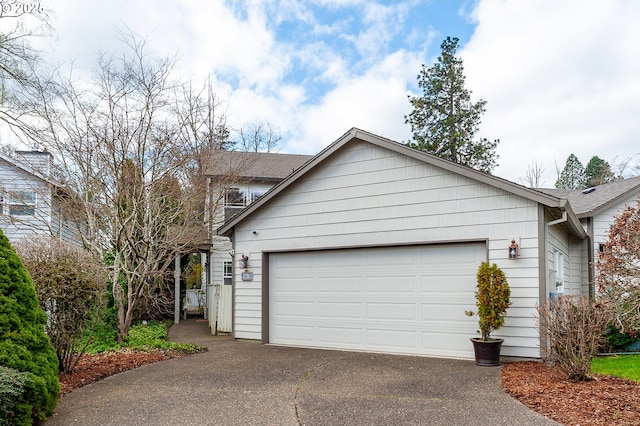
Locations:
236 179
32 200
374 246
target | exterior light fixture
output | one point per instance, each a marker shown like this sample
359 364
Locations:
513 250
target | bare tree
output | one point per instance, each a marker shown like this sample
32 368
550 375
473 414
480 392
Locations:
18 62
128 140
259 136
533 177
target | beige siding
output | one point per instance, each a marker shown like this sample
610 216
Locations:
368 196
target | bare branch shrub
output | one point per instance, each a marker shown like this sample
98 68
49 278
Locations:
71 288
618 269
574 328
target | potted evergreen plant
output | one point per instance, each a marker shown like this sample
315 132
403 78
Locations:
493 297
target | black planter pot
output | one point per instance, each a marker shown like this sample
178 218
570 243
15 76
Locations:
487 352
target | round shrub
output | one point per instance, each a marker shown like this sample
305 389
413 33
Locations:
24 346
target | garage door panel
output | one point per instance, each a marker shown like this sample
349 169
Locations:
299 334
295 285
391 285
287 309
391 311
394 299
339 337
346 310
384 339
339 284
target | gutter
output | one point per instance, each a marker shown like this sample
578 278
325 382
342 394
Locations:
557 221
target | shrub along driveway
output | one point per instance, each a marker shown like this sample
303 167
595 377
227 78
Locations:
239 383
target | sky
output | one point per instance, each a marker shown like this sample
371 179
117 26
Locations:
559 77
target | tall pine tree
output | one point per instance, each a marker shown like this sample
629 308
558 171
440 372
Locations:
444 121
598 172
572 176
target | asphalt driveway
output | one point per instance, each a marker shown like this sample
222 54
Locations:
246 383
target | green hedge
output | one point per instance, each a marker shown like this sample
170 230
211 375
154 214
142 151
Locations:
24 346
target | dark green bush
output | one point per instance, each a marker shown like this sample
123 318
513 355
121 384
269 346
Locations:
24 346
617 341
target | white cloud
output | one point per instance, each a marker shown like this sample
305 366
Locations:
376 102
559 78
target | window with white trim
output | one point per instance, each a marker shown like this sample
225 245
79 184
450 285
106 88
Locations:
21 203
227 273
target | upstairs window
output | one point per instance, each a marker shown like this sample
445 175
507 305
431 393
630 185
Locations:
234 197
21 203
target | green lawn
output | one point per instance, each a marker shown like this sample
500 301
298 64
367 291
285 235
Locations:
625 366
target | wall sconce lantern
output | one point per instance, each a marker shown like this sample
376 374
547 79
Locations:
513 250
244 262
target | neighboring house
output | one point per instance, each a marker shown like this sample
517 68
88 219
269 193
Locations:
374 246
31 200
236 179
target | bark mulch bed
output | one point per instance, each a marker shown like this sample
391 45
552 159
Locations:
92 368
603 400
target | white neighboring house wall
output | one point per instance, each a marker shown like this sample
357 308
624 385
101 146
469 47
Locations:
30 199
369 196
603 221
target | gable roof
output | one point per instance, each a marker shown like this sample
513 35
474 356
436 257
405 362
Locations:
265 166
591 201
359 135
20 165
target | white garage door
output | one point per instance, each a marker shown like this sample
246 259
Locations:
408 300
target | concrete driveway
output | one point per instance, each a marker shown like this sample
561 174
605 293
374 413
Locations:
246 383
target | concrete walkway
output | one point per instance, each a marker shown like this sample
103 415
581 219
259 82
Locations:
247 383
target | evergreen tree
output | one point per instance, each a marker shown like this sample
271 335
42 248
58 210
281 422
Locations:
572 176
24 346
444 121
598 172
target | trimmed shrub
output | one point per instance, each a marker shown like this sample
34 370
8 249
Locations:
493 298
24 346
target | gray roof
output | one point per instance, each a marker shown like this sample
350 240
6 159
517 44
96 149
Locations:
266 166
588 202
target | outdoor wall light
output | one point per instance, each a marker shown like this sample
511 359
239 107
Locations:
513 250
255 232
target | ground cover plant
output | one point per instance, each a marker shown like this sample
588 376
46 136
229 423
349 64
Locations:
146 343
